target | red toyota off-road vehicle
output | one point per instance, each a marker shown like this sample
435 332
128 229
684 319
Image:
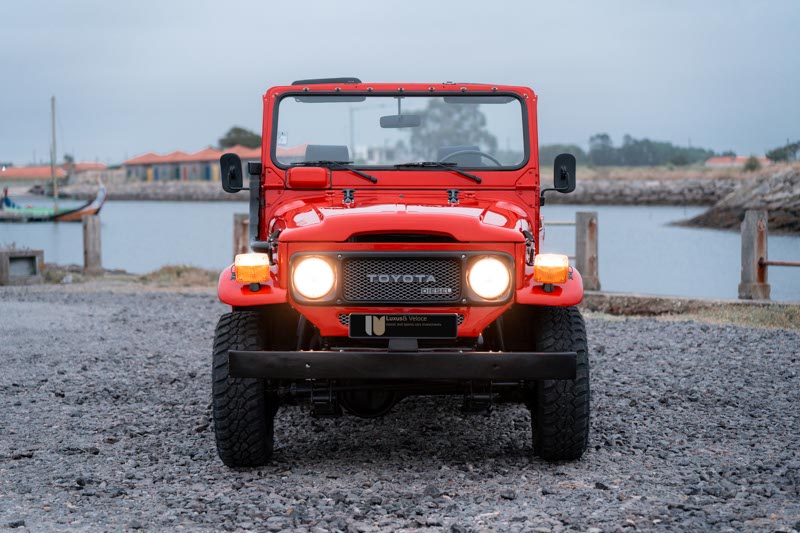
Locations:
394 229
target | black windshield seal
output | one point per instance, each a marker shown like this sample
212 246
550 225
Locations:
448 94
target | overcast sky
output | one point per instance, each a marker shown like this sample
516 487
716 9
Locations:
134 77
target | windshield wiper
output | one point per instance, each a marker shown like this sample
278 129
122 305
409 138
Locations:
344 165
438 164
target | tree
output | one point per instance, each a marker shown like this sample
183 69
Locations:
601 150
752 164
787 152
237 135
642 152
68 159
446 124
548 153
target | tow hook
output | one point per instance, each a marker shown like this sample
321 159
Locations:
477 399
324 403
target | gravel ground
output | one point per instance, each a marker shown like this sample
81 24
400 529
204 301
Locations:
105 425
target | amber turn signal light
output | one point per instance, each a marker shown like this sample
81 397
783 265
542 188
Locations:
551 268
251 268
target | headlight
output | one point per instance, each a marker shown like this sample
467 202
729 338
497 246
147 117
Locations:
489 278
313 277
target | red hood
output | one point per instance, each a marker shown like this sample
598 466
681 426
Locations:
319 219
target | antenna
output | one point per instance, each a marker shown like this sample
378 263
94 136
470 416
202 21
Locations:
53 153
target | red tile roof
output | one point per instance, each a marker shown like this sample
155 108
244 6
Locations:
175 157
292 151
207 154
734 160
245 152
82 167
32 173
144 159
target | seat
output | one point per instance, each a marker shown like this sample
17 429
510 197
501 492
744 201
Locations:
327 152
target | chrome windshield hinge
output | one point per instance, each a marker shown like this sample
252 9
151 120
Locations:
530 247
272 245
349 196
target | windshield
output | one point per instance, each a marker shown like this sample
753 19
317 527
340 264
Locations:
382 131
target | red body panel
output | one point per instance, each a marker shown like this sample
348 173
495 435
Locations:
488 217
239 295
562 295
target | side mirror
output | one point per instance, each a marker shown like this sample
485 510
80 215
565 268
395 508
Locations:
563 175
230 166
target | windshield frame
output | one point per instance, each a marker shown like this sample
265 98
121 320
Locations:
344 94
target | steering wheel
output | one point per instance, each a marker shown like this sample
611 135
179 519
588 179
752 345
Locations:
471 152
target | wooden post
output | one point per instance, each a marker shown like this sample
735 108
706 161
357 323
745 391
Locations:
754 284
586 249
92 254
241 233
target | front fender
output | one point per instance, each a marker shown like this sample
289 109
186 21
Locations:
563 294
239 295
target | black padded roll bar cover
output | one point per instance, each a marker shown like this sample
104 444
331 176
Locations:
323 81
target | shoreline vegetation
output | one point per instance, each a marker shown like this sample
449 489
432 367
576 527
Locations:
728 192
761 314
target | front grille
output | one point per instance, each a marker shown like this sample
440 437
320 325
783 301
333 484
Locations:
401 279
345 319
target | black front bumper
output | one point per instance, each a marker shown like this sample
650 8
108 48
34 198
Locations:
376 365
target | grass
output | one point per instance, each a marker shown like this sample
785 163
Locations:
56 274
670 172
182 275
773 317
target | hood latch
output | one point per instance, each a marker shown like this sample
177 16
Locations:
349 196
452 196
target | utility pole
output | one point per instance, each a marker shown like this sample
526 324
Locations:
53 153
352 111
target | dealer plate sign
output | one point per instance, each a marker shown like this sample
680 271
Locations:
433 326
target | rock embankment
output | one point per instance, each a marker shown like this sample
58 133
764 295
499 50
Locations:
681 191
173 191
597 191
777 192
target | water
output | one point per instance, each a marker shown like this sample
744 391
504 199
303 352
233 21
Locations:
639 250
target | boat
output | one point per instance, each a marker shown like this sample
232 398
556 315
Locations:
11 211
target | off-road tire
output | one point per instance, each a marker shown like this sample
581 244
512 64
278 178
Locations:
243 411
560 408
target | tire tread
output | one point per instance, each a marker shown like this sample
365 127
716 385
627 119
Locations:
560 408
243 412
